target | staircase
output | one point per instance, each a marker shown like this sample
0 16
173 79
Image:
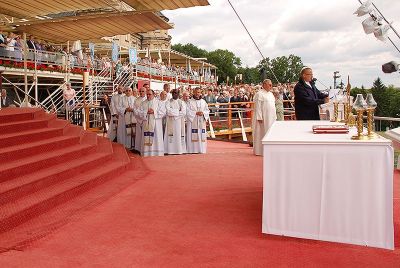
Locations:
47 163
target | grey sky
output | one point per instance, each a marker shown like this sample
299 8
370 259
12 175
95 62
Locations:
325 33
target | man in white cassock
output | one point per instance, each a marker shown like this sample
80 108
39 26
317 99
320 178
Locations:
117 108
139 121
130 120
197 116
264 115
175 131
151 112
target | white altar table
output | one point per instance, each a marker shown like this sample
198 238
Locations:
327 186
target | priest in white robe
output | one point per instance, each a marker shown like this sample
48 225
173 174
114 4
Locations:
117 108
197 116
264 115
151 112
175 131
130 120
139 121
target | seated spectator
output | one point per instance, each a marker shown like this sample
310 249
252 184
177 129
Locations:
5 100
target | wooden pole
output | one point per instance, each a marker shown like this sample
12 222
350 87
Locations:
85 107
229 121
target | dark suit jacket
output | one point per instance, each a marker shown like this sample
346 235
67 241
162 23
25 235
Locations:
7 103
306 101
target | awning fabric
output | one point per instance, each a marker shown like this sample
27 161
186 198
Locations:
165 4
86 28
32 8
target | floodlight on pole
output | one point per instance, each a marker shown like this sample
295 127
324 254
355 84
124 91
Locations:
375 24
390 67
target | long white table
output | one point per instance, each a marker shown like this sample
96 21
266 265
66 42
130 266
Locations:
327 186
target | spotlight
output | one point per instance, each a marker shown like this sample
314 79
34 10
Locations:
364 9
390 67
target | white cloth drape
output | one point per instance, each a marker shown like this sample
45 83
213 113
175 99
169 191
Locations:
327 187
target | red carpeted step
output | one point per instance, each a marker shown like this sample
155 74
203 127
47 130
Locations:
8 115
19 126
12 153
29 136
15 213
43 160
11 190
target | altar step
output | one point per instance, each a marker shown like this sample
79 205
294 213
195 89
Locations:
47 163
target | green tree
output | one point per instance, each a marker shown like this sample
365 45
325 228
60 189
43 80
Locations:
356 90
286 69
250 75
379 91
226 62
190 50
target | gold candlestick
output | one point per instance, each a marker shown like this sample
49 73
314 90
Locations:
359 105
370 124
360 135
370 116
336 112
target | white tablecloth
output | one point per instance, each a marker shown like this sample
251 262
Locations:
327 186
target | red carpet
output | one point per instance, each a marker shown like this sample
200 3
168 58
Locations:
191 211
48 171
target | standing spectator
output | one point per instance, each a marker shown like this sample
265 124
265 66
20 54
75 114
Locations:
235 98
211 99
69 97
105 103
278 105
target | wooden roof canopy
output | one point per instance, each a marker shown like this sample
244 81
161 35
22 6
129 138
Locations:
89 27
32 8
100 18
164 4
177 58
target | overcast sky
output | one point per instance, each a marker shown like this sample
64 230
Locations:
324 33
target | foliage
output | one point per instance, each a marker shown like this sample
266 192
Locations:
250 75
190 50
387 98
227 64
286 69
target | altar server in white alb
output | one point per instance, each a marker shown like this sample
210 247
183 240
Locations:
197 116
130 120
139 121
175 131
117 109
151 112
264 115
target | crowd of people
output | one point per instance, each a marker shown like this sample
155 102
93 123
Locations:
154 124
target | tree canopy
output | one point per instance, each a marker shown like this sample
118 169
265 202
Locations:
286 68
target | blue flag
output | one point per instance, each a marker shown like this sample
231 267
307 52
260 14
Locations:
115 52
91 49
132 55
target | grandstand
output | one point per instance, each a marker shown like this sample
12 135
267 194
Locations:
61 32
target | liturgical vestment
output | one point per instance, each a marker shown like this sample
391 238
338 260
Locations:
263 118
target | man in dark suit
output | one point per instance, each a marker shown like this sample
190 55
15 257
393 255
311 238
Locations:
307 97
5 101
31 42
